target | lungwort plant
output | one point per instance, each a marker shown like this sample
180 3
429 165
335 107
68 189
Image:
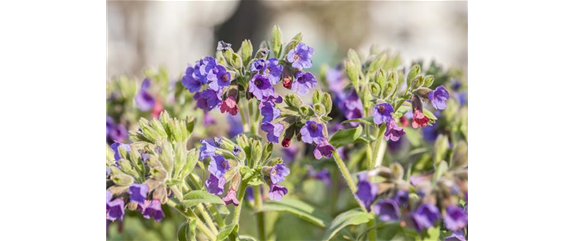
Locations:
415 189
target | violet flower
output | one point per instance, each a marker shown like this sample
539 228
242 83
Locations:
144 100
273 70
207 150
153 209
366 191
207 99
260 87
303 82
215 185
115 210
312 132
300 56
455 218
425 216
278 173
323 149
138 193
387 210
258 65
115 147
393 131
221 45
276 192
119 133
438 97
269 112
383 113
218 166
219 78
273 130
456 236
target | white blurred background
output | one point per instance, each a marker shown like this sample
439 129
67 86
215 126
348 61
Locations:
172 34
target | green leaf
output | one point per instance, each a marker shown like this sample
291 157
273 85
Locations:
246 51
351 217
186 231
365 120
197 196
297 208
346 136
276 40
440 170
225 232
246 238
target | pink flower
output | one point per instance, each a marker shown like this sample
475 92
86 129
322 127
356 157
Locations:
229 105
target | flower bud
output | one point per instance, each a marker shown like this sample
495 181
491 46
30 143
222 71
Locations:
417 82
276 40
422 92
429 79
160 193
352 72
317 96
413 72
246 51
287 82
397 171
293 101
327 102
262 53
375 89
319 109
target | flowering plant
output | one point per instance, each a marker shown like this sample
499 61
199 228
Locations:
174 162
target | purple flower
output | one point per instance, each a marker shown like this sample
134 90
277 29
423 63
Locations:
456 84
273 130
366 191
219 78
144 100
383 112
191 83
274 98
278 173
323 149
303 82
322 175
276 192
388 210
231 197
196 76
249 193
430 133
260 87
393 131
289 153
215 185
207 99
115 147
425 216
273 70
236 150
138 192
258 65
223 45
312 132
109 125
218 166
334 78
456 236
401 197
269 112
462 97
438 97
208 119
207 150
235 126
351 106
455 218
115 210
300 56
153 209
109 197
119 133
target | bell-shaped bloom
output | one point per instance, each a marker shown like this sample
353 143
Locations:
425 216
278 173
260 87
195 76
438 97
387 210
273 70
351 106
300 56
144 100
152 209
455 218
229 105
276 192
419 119
303 82
115 210
393 131
119 133
258 66
401 197
323 149
269 111
456 236
312 132
219 78
273 130
366 191
207 99
207 150
215 185
231 197
218 166
249 193
138 193
382 113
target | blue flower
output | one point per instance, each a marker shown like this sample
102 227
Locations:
388 210
207 99
382 113
393 131
425 216
312 132
276 192
115 147
207 150
258 65
269 112
260 87
138 192
455 218
303 82
323 149
115 209
278 173
215 185
438 97
366 191
144 100
219 78
218 166
273 70
153 209
273 130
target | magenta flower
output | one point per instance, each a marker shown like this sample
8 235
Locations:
323 149
229 105
393 131
419 119
231 197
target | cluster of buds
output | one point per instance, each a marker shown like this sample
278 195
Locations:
152 168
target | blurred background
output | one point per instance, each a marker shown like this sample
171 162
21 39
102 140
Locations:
171 34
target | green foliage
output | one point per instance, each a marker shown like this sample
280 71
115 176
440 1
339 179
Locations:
297 208
345 136
351 217
195 197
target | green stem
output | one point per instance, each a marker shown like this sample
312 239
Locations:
259 216
189 215
347 176
240 195
371 165
373 232
380 146
207 218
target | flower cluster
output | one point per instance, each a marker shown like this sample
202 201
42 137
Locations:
394 201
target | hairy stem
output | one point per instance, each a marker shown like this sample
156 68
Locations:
189 215
347 175
259 216
373 232
207 218
380 146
